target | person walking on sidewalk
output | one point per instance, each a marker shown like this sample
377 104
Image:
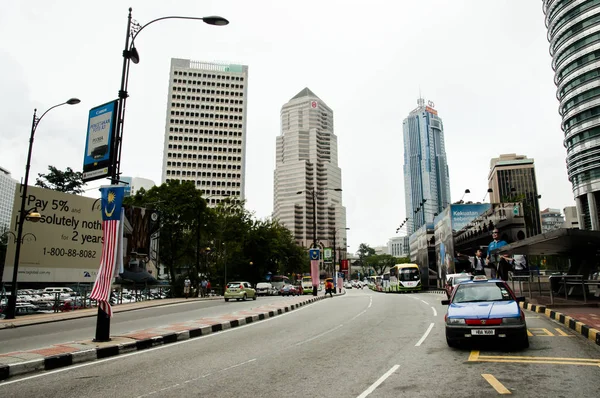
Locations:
329 288
203 287
187 284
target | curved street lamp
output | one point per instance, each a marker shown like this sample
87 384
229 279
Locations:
130 54
31 214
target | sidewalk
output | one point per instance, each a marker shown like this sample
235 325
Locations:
24 320
584 320
60 355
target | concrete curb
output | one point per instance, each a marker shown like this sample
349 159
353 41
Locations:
586 331
110 350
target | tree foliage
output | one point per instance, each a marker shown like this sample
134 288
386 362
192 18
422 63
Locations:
224 242
67 181
381 262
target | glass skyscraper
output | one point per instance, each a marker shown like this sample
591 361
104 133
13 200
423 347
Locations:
574 35
426 179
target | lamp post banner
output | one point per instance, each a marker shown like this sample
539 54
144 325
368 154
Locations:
99 141
64 245
314 272
112 251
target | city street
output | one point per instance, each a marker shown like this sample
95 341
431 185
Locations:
357 345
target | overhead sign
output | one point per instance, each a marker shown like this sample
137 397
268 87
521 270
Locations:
101 129
65 245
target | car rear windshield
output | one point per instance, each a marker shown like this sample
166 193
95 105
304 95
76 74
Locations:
234 285
456 281
473 292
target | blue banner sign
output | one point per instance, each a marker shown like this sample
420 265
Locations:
314 254
98 157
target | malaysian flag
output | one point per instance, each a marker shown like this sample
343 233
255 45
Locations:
112 247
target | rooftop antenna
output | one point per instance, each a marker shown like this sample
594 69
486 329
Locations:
420 101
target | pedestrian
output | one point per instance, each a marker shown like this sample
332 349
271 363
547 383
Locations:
497 263
187 284
203 286
329 287
478 263
208 288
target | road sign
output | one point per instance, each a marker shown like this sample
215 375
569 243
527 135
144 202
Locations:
327 253
516 210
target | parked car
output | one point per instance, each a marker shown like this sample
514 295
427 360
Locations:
484 309
239 291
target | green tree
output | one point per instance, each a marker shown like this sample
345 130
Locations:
381 262
182 211
364 251
67 181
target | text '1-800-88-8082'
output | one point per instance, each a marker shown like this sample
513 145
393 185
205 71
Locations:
69 252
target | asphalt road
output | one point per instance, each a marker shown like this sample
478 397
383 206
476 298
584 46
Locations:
358 345
36 336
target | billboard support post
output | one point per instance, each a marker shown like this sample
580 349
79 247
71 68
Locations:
11 308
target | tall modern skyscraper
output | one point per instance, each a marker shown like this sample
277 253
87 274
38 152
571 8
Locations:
426 179
307 162
512 178
7 197
574 35
205 133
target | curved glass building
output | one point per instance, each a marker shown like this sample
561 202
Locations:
574 36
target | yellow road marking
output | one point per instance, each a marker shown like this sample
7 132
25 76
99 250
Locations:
562 333
541 332
499 387
475 356
529 333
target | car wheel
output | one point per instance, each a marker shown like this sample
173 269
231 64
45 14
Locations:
226 299
254 298
244 298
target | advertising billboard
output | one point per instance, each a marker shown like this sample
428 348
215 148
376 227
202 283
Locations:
453 219
98 156
65 245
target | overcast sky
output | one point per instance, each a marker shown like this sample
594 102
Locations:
485 65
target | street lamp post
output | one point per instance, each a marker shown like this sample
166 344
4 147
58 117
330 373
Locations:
30 214
334 270
313 193
130 54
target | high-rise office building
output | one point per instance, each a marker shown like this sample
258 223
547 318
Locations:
426 177
7 197
573 32
306 163
551 219
512 179
205 133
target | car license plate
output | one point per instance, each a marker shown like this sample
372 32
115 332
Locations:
483 332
